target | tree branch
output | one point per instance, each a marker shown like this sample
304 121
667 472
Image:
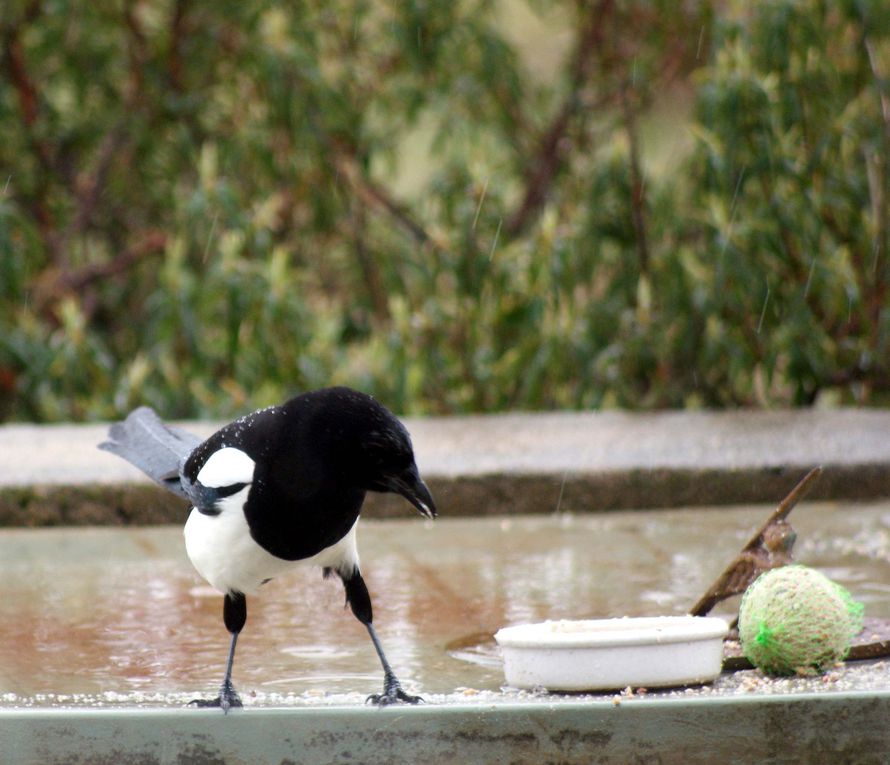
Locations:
636 182
54 283
545 166
14 60
151 243
174 54
28 96
90 187
367 265
377 196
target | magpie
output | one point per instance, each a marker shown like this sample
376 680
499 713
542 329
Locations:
278 487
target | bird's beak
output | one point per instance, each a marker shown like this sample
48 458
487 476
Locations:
412 488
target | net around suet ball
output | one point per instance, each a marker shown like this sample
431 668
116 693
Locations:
795 620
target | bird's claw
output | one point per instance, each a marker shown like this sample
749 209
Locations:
228 699
393 694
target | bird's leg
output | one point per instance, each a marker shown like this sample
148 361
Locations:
234 615
392 688
360 601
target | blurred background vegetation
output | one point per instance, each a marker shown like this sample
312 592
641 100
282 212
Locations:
454 205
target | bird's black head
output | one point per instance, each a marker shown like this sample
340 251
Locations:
374 447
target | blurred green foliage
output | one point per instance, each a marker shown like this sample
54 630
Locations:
456 206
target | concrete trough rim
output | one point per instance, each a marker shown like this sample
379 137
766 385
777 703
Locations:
506 463
128 504
807 727
565 702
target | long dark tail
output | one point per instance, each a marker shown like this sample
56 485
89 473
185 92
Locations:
157 449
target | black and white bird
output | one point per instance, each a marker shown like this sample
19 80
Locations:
278 487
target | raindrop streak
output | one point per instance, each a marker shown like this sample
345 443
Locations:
763 310
732 210
6 187
481 200
210 237
701 37
497 234
806 289
562 487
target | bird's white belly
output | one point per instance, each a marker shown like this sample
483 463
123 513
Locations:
222 550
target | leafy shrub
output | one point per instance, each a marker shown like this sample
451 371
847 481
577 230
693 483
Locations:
454 206
789 180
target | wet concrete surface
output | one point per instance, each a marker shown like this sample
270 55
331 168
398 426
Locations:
105 616
552 443
499 464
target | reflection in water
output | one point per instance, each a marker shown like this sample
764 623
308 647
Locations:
97 610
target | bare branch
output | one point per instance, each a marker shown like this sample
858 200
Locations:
151 243
548 161
29 108
55 283
636 186
174 54
368 266
377 196
90 187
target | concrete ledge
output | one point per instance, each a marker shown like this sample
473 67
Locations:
848 727
510 463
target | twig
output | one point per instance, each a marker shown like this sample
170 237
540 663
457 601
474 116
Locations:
55 283
151 243
377 196
368 266
90 189
751 560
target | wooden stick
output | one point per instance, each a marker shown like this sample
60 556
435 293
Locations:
750 560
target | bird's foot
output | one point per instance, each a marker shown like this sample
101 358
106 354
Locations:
228 699
392 694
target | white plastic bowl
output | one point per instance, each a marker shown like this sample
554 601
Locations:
604 654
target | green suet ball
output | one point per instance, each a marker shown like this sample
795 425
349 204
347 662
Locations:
795 620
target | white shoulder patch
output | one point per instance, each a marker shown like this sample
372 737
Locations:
225 467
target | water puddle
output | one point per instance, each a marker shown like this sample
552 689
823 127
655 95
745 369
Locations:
120 611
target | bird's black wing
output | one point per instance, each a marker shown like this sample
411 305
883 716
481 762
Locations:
252 434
